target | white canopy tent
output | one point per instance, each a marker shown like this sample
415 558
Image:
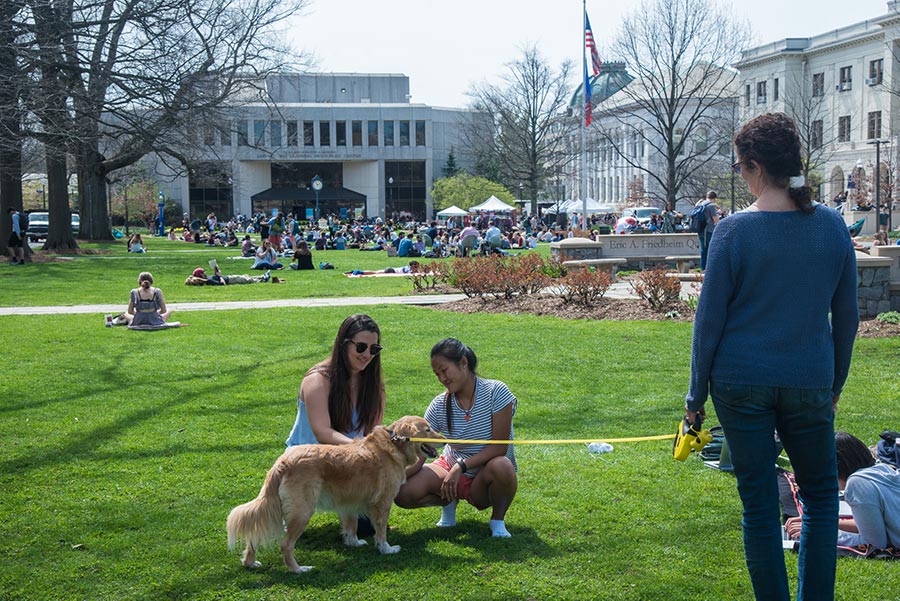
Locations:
452 211
593 207
492 205
558 207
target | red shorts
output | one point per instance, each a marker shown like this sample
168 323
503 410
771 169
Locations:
463 485
275 239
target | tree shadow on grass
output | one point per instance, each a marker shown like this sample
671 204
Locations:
336 565
82 444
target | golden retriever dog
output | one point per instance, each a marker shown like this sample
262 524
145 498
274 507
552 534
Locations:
358 478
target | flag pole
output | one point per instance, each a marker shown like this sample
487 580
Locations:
584 126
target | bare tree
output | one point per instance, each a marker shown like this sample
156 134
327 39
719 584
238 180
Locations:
141 76
679 51
10 121
522 136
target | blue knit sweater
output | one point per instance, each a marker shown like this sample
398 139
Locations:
763 318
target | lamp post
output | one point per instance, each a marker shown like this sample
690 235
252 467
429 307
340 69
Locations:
877 142
43 198
317 186
391 193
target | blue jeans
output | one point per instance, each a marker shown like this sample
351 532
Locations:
805 423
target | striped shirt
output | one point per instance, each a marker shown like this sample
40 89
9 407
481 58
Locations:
491 396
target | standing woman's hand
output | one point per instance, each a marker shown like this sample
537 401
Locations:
834 402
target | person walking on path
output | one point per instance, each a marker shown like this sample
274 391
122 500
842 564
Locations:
709 221
772 348
16 240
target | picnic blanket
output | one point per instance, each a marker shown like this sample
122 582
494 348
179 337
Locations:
165 326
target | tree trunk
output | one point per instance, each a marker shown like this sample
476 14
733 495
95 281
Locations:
59 235
10 139
92 195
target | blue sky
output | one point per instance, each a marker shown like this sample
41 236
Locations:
444 46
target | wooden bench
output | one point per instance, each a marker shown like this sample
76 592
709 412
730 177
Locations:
683 263
608 265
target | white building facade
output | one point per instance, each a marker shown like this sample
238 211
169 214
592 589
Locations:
837 86
375 151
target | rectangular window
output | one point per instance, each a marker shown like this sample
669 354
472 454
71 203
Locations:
844 128
420 133
775 90
356 133
242 126
225 134
373 133
761 92
308 130
874 125
324 133
388 133
292 138
340 133
846 79
404 133
818 84
876 72
275 133
815 134
259 133
747 95
209 135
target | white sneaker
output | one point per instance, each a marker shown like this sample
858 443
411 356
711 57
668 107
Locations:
267 276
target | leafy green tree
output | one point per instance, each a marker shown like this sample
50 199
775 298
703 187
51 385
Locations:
465 191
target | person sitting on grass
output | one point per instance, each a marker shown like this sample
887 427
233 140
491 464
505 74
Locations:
872 490
247 248
266 257
146 305
302 257
136 244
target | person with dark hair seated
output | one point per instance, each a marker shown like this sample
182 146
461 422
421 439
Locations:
302 256
872 490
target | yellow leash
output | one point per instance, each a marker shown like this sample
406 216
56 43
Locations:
563 441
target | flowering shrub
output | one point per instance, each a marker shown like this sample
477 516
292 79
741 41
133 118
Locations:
585 286
430 275
499 276
657 288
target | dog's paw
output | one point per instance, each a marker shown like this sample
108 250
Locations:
387 549
302 569
351 541
253 566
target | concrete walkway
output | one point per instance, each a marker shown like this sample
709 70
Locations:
619 290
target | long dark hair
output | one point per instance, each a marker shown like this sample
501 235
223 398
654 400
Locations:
337 370
771 140
852 454
454 350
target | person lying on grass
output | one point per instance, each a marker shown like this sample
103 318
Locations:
413 267
200 278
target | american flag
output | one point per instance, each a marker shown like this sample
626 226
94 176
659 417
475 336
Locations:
588 109
591 45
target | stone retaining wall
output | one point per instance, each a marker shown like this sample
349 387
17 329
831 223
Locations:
874 285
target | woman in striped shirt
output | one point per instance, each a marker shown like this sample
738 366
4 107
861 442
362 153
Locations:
471 408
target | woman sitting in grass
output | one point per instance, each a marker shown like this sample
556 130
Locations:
470 408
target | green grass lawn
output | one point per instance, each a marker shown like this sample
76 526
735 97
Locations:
108 277
123 453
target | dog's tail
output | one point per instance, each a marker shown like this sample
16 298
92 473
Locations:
260 520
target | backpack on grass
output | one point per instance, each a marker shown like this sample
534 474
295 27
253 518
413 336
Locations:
697 220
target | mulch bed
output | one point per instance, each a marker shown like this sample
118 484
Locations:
612 310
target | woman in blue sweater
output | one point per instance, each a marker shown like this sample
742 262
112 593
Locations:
767 353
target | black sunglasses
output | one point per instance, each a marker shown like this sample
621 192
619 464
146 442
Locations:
737 167
361 347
